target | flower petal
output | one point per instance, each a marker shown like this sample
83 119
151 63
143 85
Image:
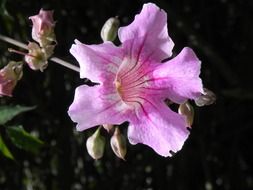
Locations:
95 60
149 32
158 127
180 77
96 106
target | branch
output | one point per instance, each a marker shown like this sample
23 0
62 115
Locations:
54 59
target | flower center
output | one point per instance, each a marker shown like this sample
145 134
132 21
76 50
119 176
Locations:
130 82
118 86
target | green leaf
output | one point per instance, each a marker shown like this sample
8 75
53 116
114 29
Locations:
4 149
9 112
3 9
24 140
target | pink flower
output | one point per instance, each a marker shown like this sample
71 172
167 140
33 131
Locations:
133 83
43 27
9 76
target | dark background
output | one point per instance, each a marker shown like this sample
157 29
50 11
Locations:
218 153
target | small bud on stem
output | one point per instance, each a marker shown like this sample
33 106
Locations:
118 144
187 110
207 98
95 145
110 29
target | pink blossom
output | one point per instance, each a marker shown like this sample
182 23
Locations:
43 27
134 83
9 76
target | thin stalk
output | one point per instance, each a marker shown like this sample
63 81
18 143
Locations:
54 59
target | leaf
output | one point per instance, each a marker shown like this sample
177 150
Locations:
3 10
24 140
4 149
9 112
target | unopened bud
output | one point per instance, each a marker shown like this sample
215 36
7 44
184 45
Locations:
187 110
118 144
95 145
9 75
110 29
43 28
109 128
207 98
36 58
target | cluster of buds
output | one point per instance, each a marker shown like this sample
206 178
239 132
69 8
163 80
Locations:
38 52
207 98
95 144
43 34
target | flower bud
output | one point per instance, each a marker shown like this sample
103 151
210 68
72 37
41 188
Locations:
207 98
9 75
37 57
95 145
187 110
110 29
118 144
43 28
